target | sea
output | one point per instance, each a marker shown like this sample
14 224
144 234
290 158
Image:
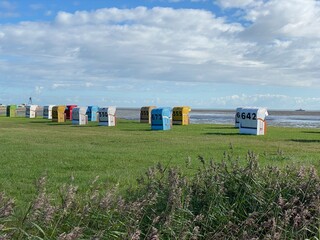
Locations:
287 118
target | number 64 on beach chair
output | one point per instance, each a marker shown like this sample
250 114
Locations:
253 121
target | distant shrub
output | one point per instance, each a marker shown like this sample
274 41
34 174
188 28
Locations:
223 200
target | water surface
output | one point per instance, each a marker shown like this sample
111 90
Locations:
300 119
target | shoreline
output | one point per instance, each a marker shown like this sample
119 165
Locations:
274 112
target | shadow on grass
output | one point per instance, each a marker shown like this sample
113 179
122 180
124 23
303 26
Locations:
221 127
311 132
136 130
85 126
221 134
59 124
305 141
40 122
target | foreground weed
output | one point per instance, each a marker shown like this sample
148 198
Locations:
6 213
226 200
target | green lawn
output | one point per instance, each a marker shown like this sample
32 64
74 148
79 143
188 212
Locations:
30 148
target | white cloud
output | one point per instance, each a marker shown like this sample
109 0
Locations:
131 43
48 13
8 10
7 5
118 47
238 3
60 85
270 101
284 19
38 90
88 84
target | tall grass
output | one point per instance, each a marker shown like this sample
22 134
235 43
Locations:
225 200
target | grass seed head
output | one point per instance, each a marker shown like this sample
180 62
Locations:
136 235
76 233
154 234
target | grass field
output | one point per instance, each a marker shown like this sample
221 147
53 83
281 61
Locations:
30 148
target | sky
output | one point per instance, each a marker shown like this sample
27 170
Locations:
216 54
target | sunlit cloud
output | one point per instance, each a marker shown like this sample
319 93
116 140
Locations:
121 49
